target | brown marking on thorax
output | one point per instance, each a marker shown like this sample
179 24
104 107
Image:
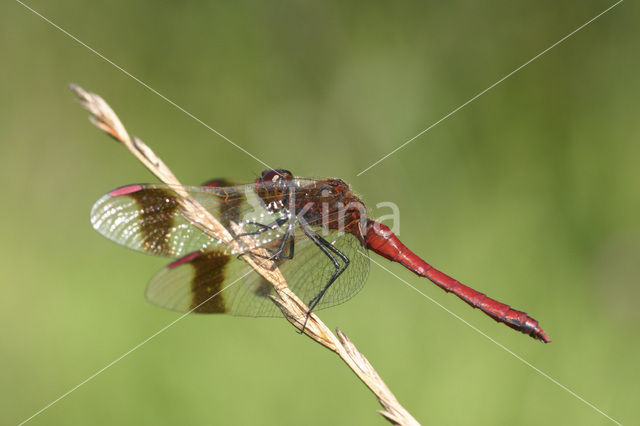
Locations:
332 199
328 199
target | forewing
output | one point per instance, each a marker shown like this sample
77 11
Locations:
149 217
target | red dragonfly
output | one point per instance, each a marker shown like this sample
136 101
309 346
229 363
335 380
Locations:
315 230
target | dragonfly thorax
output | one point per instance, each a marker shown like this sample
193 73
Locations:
330 204
326 203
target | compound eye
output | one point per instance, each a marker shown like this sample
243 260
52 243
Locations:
276 175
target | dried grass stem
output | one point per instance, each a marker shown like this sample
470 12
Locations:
291 306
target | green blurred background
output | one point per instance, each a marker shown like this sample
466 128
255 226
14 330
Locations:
529 194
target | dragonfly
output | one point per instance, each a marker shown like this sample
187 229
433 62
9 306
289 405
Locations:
315 231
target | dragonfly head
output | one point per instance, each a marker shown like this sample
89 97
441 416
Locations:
272 186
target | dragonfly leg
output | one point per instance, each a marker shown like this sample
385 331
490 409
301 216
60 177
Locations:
278 253
264 228
329 250
275 254
288 236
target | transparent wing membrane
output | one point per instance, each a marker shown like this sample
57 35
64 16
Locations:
149 217
208 276
242 291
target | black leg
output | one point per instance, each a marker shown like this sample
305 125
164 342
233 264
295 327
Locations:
278 253
329 250
264 228
270 227
291 238
339 270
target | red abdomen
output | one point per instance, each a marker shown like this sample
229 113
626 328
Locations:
381 240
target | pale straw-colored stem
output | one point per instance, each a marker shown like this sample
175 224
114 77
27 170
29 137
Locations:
291 306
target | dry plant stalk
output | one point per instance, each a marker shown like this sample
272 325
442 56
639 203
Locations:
291 306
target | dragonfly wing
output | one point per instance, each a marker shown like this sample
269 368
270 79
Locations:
214 282
209 282
310 269
219 183
149 217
